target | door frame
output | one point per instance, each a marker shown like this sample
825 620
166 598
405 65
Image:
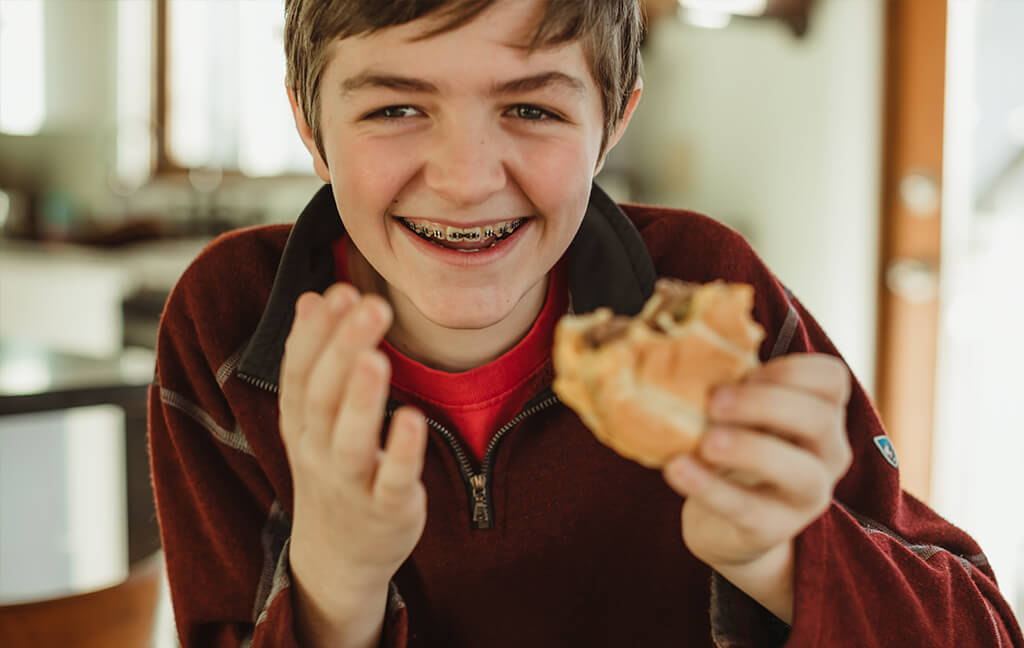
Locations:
911 232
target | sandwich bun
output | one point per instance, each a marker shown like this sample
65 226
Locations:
641 384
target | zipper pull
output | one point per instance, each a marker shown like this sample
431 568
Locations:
481 519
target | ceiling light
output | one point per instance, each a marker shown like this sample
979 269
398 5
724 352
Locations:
706 18
735 7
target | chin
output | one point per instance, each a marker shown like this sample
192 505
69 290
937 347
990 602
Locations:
465 318
467 313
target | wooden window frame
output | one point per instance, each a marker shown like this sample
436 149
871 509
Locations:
163 164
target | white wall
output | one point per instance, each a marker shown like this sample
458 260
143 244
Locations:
780 138
978 445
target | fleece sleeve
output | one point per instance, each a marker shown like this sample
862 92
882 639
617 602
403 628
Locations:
225 528
879 568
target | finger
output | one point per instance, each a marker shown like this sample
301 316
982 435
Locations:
760 517
355 438
801 417
825 376
358 330
402 464
772 463
315 316
796 415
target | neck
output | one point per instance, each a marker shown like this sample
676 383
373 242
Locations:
457 350
439 347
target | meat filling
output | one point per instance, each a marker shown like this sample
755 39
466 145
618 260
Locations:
673 297
676 297
607 331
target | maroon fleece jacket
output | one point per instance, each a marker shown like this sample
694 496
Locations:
553 540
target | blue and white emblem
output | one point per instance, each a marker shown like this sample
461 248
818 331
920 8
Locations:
885 447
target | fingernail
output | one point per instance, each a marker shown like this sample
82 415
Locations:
366 314
413 421
683 470
721 439
723 399
302 308
380 310
374 363
339 301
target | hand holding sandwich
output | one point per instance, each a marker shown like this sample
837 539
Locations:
756 449
765 469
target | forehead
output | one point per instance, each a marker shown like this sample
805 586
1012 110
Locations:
491 47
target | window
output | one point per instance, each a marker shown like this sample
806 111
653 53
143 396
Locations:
222 98
22 100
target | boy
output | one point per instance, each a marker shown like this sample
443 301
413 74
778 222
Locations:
459 140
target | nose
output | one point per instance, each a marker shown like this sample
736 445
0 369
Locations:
466 165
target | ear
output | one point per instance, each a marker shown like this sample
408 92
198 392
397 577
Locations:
634 99
306 133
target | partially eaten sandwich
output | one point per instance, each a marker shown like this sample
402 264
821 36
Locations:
641 384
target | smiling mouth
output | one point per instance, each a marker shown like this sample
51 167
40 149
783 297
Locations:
473 239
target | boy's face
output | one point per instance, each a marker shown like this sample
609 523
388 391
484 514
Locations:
464 130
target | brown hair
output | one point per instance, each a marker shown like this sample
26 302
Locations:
610 32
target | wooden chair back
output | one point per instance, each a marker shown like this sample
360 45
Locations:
121 616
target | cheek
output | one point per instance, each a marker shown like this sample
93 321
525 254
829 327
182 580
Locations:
557 177
370 174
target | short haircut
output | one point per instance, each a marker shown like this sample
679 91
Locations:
610 32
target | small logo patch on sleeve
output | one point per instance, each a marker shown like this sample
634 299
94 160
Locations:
888 451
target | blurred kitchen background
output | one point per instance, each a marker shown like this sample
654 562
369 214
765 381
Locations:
872 151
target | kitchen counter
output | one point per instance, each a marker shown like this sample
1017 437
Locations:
156 264
70 297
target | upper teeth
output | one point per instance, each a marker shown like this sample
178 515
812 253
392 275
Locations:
455 234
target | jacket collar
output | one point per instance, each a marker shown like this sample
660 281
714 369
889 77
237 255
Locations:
608 266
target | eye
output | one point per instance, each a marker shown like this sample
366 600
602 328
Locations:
393 113
530 112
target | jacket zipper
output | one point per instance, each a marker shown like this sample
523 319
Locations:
479 484
265 385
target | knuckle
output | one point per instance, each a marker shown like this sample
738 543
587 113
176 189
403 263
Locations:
290 375
378 304
744 456
290 346
750 522
392 491
698 489
306 454
821 501
346 458
372 365
300 454
341 290
803 483
824 504
841 379
285 415
319 405
303 301
845 462
845 458
824 489
835 424
307 305
817 486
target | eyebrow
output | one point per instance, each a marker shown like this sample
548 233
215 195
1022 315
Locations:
407 84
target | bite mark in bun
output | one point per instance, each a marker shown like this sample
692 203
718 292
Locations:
641 384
